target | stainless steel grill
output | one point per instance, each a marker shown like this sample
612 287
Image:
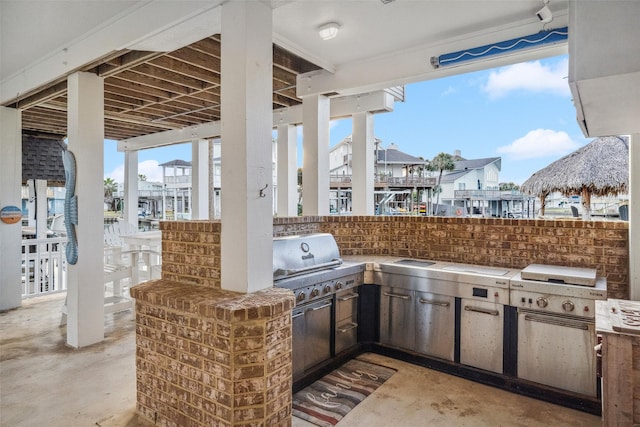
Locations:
310 266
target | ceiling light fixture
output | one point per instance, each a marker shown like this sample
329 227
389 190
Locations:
329 30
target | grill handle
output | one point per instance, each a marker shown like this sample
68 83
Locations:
321 307
426 301
392 295
282 273
348 297
348 328
481 310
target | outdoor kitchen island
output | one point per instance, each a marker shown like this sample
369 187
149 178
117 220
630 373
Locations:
254 380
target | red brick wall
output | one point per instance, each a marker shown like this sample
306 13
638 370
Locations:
513 243
191 257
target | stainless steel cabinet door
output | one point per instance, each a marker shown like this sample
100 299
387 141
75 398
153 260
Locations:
435 325
397 317
557 351
298 332
481 335
318 332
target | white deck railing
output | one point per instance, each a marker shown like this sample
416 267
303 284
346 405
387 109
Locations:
44 266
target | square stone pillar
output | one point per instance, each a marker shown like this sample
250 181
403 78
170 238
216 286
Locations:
210 357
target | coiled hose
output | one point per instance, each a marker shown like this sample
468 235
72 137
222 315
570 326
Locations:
70 206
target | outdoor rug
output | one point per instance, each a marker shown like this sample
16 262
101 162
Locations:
328 400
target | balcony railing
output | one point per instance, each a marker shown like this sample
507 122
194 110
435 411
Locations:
44 266
387 181
180 179
489 195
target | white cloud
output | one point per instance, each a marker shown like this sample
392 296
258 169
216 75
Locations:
149 168
540 143
529 77
117 174
449 91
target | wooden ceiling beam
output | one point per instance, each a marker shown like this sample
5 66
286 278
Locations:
185 69
197 58
126 61
153 83
290 62
135 87
170 77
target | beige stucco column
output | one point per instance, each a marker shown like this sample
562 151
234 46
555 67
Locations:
85 286
362 183
246 150
10 195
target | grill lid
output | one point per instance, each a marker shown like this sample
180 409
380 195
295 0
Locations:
559 274
296 255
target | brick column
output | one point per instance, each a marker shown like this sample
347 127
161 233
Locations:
210 357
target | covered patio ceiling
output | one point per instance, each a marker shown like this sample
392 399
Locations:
161 59
148 92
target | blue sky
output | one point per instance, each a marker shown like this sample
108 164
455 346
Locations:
522 113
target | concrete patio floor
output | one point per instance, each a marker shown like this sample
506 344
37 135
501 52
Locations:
45 383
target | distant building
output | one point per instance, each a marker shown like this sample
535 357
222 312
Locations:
473 188
397 176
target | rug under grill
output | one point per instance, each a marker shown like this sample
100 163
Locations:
328 400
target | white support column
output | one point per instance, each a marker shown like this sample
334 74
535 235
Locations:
10 195
31 203
634 216
246 95
287 171
315 144
41 208
200 179
85 287
175 202
362 182
131 188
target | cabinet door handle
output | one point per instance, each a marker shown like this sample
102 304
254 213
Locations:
482 310
321 307
557 322
348 297
295 316
349 327
392 295
438 303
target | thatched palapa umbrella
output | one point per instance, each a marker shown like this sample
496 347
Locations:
599 168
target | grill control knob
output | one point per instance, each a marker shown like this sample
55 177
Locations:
568 306
327 289
315 292
338 285
542 302
301 296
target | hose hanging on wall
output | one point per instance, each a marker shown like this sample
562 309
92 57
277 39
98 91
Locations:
70 205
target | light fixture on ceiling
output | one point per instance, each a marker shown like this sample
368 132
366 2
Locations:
520 44
329 30
544 15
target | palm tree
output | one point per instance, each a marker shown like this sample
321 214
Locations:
442 162
110 187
